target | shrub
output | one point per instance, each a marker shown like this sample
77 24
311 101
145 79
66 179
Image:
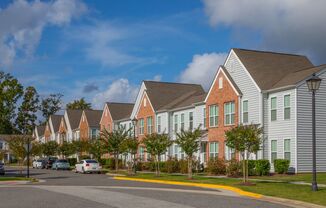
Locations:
171 166
83 157
281 165
251 167
72 161
262 167
183 164
102 161
110 163
216 166
233 168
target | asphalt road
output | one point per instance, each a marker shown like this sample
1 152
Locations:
68 189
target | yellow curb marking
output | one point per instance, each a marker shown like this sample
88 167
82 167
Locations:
201 185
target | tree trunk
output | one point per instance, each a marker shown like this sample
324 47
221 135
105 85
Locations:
158 165
244 168
189 167
116 162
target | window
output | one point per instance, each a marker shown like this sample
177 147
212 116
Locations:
287 149
213 150
106 112
287 108
93 133
130 129
141 126
213 115
182 124
273 109
273 150
149 125
158 124
141 153
145 102
176 151
245 115
182 153
191 121
229 153
204 111
175 123
229 113
220 83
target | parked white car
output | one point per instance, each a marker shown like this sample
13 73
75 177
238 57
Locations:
88 166
40 163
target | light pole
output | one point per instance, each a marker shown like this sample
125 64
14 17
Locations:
134 123
313 85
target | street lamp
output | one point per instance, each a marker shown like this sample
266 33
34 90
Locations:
313 85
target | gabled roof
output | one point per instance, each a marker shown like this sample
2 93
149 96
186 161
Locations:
74 117
164 95
268 68
93 117
120 111
298 76
56 119
40 130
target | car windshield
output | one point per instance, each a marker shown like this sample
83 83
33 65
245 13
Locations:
62 161
91 161
53 158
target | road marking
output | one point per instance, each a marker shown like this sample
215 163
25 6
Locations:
201 185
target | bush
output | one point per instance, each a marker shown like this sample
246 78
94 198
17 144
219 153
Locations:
216 166
102 161
183 164
281 165
171 166
84 157
110 163
262 167
72 161
251 167
233 168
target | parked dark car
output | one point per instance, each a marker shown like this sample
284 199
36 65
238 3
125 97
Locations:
2 168
49 161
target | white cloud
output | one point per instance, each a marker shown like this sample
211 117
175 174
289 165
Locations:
157 77
22 23
292 25
202 68
119 91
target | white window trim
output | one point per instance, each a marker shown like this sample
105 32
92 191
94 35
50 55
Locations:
273 151
182 122
141 126
273 109
159 124
287 107
216 152
149 127
175 122
244 111
214 116
284 149
191 121
232 113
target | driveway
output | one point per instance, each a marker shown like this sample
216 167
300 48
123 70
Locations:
68 189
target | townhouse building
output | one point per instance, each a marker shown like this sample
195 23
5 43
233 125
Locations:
251 87
89 125
39 133
54 125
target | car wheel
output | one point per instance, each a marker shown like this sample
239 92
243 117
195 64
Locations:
83 171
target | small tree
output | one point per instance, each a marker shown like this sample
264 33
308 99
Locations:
79 105
97 148
50 148
188 141
66 149
156 145
131 145
80 146
245 139
113 141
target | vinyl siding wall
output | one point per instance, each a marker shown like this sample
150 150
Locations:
164 122
199 116
281 129
246 86
304 127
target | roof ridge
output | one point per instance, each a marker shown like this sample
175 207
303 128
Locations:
179 83
272 52
120 103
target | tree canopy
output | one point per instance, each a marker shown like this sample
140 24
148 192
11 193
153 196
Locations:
80 104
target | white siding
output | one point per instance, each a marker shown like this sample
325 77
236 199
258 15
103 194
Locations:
186 120
164 122
199 116
69 131
282 129
248 88
304 127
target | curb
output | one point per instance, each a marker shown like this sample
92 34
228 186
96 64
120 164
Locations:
200 185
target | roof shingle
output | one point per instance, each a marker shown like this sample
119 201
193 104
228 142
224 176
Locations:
120 111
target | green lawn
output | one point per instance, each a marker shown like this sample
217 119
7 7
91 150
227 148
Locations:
283 190
16 179
306 177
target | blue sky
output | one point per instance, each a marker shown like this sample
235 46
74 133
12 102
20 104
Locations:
103 49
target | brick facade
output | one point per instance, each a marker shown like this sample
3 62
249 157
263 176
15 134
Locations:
219 96
84 128
47 132
106 121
